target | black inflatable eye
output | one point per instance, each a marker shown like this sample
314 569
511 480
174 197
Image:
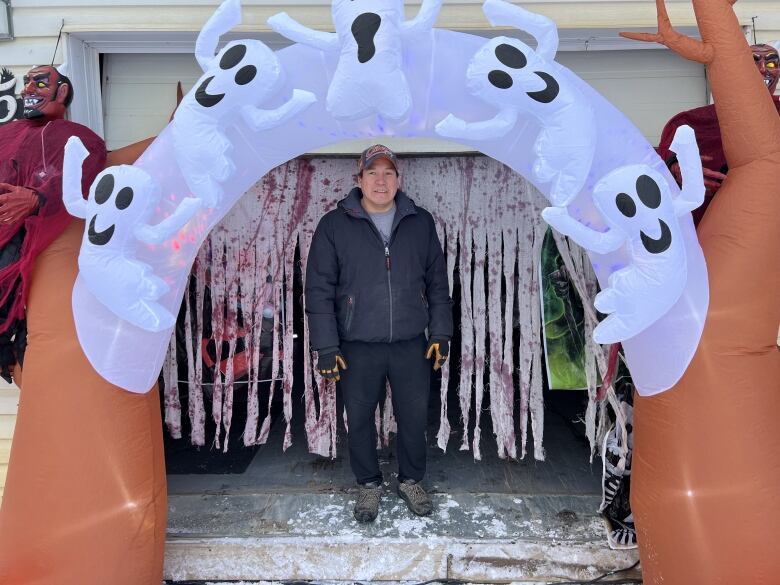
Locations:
511 56
232 57
104 189
500 79
246 74
124 198
625 205
648 191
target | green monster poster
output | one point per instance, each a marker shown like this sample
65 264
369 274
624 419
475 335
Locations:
562 315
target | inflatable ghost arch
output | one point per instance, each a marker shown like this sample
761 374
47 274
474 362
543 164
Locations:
379 75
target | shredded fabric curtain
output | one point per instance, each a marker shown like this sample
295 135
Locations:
489 223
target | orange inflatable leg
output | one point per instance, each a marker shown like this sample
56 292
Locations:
85 497
706 468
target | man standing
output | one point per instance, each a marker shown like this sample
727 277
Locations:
375 280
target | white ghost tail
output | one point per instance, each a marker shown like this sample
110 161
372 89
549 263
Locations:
640 214
120 200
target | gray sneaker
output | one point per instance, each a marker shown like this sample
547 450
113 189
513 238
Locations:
416 498
367 506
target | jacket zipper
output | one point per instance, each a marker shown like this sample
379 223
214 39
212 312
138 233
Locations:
350 311
389 288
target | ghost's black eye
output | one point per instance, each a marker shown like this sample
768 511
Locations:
232 57
500 79
124 198
245 74
625 205
511 56
104 189
648 191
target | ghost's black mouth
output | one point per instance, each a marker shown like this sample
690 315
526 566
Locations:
550 91
662 243
99 238
204 98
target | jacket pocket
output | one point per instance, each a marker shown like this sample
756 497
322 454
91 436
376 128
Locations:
350 313
424 298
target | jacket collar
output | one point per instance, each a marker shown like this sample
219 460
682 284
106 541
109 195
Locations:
351 205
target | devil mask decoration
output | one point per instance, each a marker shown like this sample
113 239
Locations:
46 93
768 62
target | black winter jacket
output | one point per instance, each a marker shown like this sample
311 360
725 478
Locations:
358 290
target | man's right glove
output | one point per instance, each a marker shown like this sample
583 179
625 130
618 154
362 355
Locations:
329 363
438 348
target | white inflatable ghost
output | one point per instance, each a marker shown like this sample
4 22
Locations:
243 74
508 74
640 212
120 202
369 77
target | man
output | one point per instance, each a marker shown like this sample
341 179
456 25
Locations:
31 211
704 121
375 280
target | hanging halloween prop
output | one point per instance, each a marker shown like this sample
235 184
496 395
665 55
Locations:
711 444
78 507
657 355
120 201
10 105
369 39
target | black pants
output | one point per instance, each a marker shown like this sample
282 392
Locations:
363 385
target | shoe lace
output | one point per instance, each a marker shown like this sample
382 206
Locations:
415 491
368 496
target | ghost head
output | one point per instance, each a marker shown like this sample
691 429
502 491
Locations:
508 73
636 200
244 72
120 198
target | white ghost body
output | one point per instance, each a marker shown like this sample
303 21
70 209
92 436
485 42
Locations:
241 76
636 203
120 203
369 77
517 80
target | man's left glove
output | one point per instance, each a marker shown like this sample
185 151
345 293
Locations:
16 203
439 349
329 363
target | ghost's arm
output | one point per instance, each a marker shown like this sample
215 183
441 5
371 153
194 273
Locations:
224 18
425 18
75 155
296 32
155 234
500 13
687 151
258 119
496 127
590 239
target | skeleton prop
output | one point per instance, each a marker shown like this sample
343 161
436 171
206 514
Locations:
120 201
369 78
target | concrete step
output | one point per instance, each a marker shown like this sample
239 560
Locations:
480 538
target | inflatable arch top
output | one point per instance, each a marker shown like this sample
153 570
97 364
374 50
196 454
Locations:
381 75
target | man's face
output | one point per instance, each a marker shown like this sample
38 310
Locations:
768 63
379 184
43 95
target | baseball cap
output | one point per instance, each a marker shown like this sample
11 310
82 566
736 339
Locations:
375 152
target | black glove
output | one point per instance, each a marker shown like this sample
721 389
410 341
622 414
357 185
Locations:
329 363
439 349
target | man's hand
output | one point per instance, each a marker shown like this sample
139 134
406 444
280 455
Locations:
330 363
439 349
16 203
712 179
